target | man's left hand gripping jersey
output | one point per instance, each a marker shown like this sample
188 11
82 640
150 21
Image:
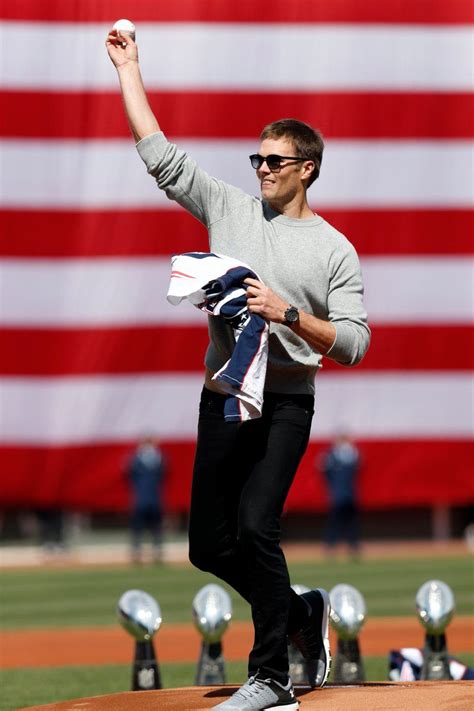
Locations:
215 284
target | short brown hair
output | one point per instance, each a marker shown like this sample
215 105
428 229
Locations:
307 141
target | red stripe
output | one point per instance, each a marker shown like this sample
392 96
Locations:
206 114
108 351
400 11
97 234
91 477
175 273
115 233
114 351
395 473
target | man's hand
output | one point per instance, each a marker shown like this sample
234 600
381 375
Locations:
121 48
263 301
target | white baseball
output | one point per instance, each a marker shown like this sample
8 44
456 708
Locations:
125 26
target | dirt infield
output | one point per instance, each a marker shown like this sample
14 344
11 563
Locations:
422 696
180 642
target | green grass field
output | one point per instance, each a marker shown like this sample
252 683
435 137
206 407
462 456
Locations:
78 596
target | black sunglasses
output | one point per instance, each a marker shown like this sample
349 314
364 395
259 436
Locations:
273 161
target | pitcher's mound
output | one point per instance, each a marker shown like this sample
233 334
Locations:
418 695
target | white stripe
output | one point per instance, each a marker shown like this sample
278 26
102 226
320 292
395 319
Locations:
244 56
109 173
66 292
74 410
419 289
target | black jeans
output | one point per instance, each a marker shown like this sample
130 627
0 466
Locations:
242 475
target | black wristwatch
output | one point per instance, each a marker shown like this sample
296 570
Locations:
292 315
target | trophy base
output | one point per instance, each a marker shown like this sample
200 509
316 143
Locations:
146 673
348 666
211 665
435 659
297 665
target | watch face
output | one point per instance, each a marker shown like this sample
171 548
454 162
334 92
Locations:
291 315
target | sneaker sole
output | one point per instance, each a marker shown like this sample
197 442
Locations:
311 669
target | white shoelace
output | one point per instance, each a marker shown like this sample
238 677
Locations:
253 681
247 692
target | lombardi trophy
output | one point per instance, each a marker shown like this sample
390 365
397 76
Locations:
435 606
140 614
212 612
348 612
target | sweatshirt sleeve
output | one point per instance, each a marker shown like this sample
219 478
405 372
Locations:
205 197
346 311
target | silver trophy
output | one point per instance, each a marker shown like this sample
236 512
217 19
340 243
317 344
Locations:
435 606
212 612
348 613
140 614
296 660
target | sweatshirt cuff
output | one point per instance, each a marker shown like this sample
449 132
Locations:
149 147
342 349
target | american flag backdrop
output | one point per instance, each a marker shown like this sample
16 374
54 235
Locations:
91 354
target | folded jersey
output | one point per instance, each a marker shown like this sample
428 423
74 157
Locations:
406 664
214 283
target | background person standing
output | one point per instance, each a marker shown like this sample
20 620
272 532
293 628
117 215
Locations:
340 466
145 476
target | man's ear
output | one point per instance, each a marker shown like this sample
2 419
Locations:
308 169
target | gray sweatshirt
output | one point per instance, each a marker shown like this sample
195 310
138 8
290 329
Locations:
305 261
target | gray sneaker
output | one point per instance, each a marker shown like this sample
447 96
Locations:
261 694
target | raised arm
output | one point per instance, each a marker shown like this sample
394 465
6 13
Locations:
123 52
205 197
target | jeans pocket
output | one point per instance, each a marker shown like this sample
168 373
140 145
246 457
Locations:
297 407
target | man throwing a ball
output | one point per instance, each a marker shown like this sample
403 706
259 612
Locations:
311 296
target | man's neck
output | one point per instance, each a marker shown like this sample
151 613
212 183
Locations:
298 209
